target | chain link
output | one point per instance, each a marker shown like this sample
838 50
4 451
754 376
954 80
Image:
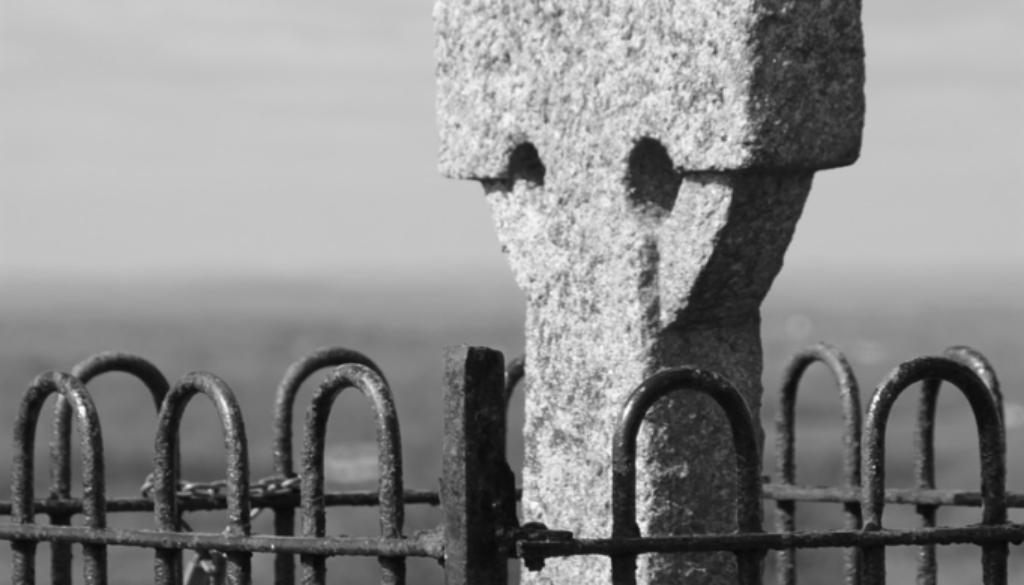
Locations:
273 486
208 567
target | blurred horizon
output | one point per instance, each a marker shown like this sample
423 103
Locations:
297 140
900 289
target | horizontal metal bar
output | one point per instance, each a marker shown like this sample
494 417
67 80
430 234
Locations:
770 491
427 544
910 496
770 541
219 502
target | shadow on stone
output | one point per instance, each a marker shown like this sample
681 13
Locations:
524 164
652 179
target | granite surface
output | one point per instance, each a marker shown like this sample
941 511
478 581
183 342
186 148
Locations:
755 84
646 164
615 292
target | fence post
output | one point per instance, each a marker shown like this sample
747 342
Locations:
476 480
646 164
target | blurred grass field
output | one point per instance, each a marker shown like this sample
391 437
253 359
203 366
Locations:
249 332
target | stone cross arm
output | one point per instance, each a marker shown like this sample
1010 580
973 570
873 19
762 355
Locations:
722 85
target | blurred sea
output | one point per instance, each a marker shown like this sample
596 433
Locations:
248 332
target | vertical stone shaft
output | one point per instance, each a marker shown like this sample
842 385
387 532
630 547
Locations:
646 164
600 318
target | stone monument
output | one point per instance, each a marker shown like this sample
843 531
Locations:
646 163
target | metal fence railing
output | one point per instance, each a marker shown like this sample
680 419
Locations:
480 530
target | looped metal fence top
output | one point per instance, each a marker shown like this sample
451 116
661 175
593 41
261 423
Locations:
748 463
785 423
60 445
284 405
964 368
480 529
924 445
992 444
389 443
284 401
166 470
22 480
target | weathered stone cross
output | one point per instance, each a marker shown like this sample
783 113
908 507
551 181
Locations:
646 163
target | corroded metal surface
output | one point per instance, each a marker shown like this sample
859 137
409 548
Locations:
964 368
190 502
477 487
60 443
992 445
785 448
747 454
389 442
167 467
284 405
924 446
611 547
423 545
481 530
22 476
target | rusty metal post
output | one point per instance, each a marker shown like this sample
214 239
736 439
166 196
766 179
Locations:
646 164
475 490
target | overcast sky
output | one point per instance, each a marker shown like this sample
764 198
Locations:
297 137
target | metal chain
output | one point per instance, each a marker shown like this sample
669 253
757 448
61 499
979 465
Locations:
208 567
276 485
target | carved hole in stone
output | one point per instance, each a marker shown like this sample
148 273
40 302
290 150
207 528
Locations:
652 179
524 165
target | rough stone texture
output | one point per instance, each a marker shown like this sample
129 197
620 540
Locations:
614 293
646 164
722 84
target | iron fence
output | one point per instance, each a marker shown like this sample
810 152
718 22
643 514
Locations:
480 529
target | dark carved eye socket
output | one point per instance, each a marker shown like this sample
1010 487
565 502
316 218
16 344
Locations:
524 165
652 179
